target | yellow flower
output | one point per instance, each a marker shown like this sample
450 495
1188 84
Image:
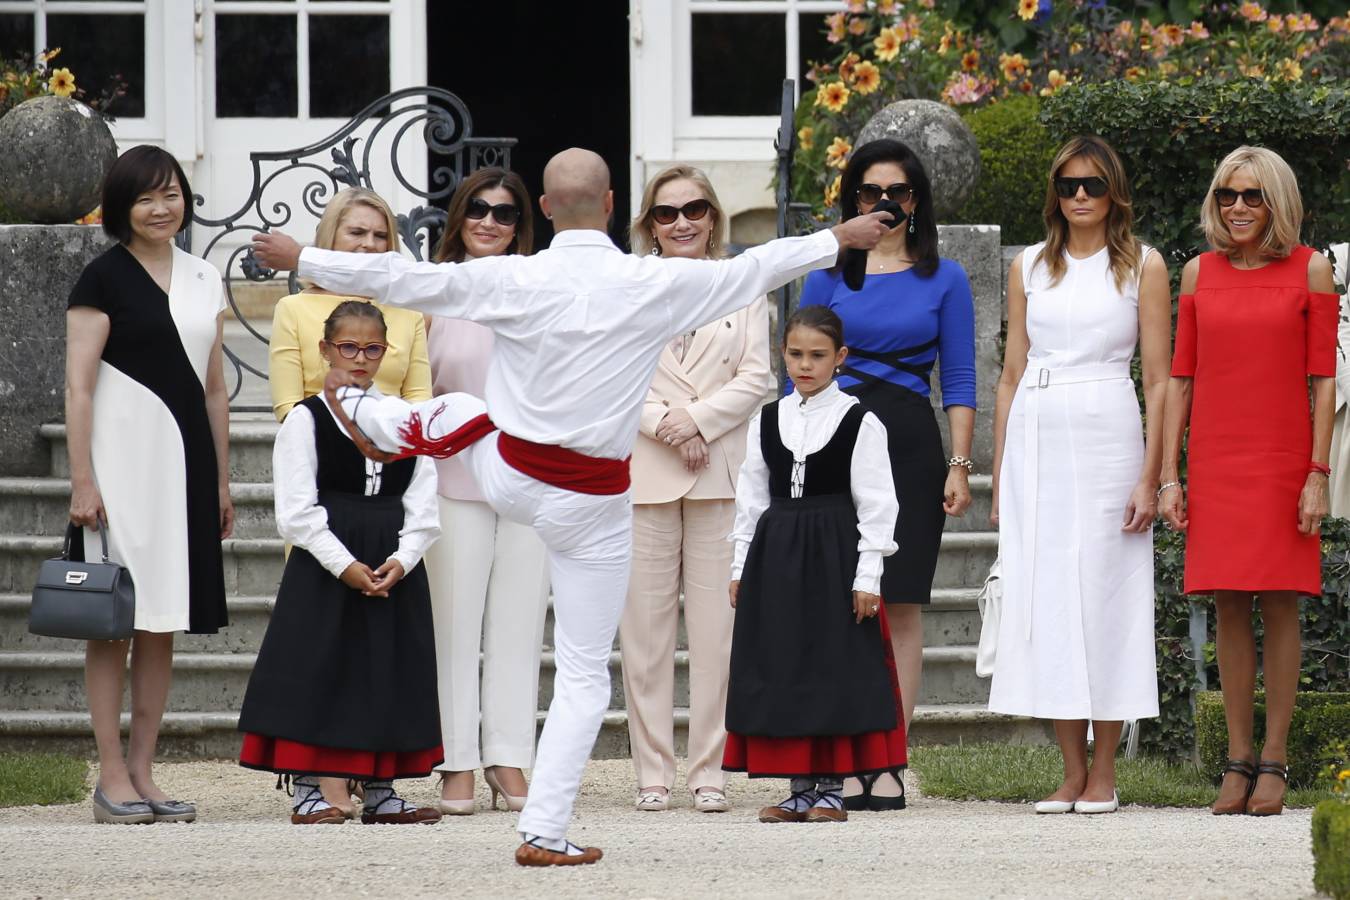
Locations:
866 78
1075 48
49 55
832 192
62 83
1252 12
1054 80
1014 66
887 45
1134 73
836 154
1344 775
888 7
1275 24
857 25
971 61
1026 9
804 136
1172 35
837 27
946 43
833 96
1289 70
1198 31
847 65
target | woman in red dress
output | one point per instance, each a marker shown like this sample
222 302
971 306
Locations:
1256 334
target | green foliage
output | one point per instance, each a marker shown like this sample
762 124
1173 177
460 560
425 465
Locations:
1172 135
29 779
1318 718
1019 773
1331 849
1015 156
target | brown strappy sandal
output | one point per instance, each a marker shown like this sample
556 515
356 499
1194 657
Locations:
1269 807
1237 808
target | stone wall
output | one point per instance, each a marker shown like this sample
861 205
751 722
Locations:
38 266
976 248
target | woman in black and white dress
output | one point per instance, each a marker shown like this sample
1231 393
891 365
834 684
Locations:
147 416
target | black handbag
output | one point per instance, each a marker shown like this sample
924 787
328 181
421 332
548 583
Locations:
83 600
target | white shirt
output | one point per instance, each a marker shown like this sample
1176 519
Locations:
805 425
304 523
580 326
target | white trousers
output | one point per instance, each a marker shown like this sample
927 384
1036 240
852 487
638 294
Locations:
678 544
489 594
589 541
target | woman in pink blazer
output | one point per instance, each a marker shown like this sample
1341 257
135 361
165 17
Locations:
684 467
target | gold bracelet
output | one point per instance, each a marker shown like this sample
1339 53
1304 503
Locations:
967 464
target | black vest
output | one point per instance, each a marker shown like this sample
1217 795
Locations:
342 467
827 470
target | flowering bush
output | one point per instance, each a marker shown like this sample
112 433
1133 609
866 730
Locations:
890 50
24 78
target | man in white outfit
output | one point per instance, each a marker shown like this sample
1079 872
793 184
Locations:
579 330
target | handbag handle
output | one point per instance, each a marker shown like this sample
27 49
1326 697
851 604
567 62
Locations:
70 536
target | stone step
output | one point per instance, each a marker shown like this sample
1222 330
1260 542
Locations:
186 735
252 565
208 682
965 558
41 506
251 438
248 621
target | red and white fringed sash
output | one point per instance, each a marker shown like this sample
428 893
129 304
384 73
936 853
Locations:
413 434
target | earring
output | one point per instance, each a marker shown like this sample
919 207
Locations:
656 250
911 221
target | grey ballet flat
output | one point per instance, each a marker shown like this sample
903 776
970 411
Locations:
106 812
173 811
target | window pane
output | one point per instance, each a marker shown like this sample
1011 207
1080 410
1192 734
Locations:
812 46
101 51
738 60
348 63
255 66
16 35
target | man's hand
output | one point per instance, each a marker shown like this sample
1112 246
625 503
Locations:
333 383
862 232
276 250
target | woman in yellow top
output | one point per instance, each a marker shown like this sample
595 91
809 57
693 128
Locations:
357 221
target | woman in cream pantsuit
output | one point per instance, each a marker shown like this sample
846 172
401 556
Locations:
690 447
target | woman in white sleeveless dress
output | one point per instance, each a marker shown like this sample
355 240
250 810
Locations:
1076 483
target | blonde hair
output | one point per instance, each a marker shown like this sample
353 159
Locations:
1279 187
325 235
641 235
1122 247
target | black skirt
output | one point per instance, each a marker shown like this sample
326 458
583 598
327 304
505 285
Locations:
339 669
919 468
801 665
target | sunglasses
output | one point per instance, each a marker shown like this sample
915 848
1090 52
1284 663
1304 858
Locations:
871 194
1067 187
349 349
504 213
1251 196
693 211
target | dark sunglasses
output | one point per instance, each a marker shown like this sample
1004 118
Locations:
871 194
1067 187
1251 196
349 349
504 213
693 211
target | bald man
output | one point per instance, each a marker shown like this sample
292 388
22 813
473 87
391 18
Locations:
579 330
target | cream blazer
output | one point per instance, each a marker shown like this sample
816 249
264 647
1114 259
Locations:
722 380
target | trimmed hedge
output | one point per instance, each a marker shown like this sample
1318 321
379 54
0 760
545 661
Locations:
1319 720
1015 156
1331 848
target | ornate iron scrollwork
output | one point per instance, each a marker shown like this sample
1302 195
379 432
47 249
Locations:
287 183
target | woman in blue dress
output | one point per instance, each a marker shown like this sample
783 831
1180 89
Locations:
914 311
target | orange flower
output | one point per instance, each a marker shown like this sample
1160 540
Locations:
1198 31
888 7
49 55
971 61
1134 73
857 25
928 4
1301 22
1026 9
1054 80
62 83
1172 35
946 43
887 45
1275 24
1014 66
1288 70
832 192
866 78
836 26
836 154
804 136
847 65
833 96
1252 12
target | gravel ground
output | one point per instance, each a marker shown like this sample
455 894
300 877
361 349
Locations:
244 847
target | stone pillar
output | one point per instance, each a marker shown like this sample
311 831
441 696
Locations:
976 248
39 264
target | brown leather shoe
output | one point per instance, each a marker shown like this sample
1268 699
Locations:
779 814
422 815
825 814
328 816
1238 805
1274 806
528 854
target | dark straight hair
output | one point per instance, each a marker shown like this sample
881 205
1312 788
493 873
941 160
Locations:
923 243
140 169
821 318
451 247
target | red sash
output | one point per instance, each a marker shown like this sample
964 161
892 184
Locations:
564 468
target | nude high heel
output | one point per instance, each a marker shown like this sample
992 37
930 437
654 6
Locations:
513 803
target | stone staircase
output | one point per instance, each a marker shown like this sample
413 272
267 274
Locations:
42 702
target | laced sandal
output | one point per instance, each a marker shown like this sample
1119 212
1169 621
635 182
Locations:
793 809
391 809
881 803
310 808
1239 806
531 853
1269 807
829 807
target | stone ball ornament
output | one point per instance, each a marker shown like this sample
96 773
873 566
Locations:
54 153
944 144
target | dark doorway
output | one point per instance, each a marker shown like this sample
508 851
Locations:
553 75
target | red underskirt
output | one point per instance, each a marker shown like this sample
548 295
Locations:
294 758
828 755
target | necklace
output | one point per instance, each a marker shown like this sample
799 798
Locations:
899 261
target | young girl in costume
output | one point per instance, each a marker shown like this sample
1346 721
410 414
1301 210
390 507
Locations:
345 683
813 695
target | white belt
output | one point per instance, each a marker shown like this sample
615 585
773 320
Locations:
1035 381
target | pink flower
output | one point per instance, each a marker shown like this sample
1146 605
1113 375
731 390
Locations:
964 88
